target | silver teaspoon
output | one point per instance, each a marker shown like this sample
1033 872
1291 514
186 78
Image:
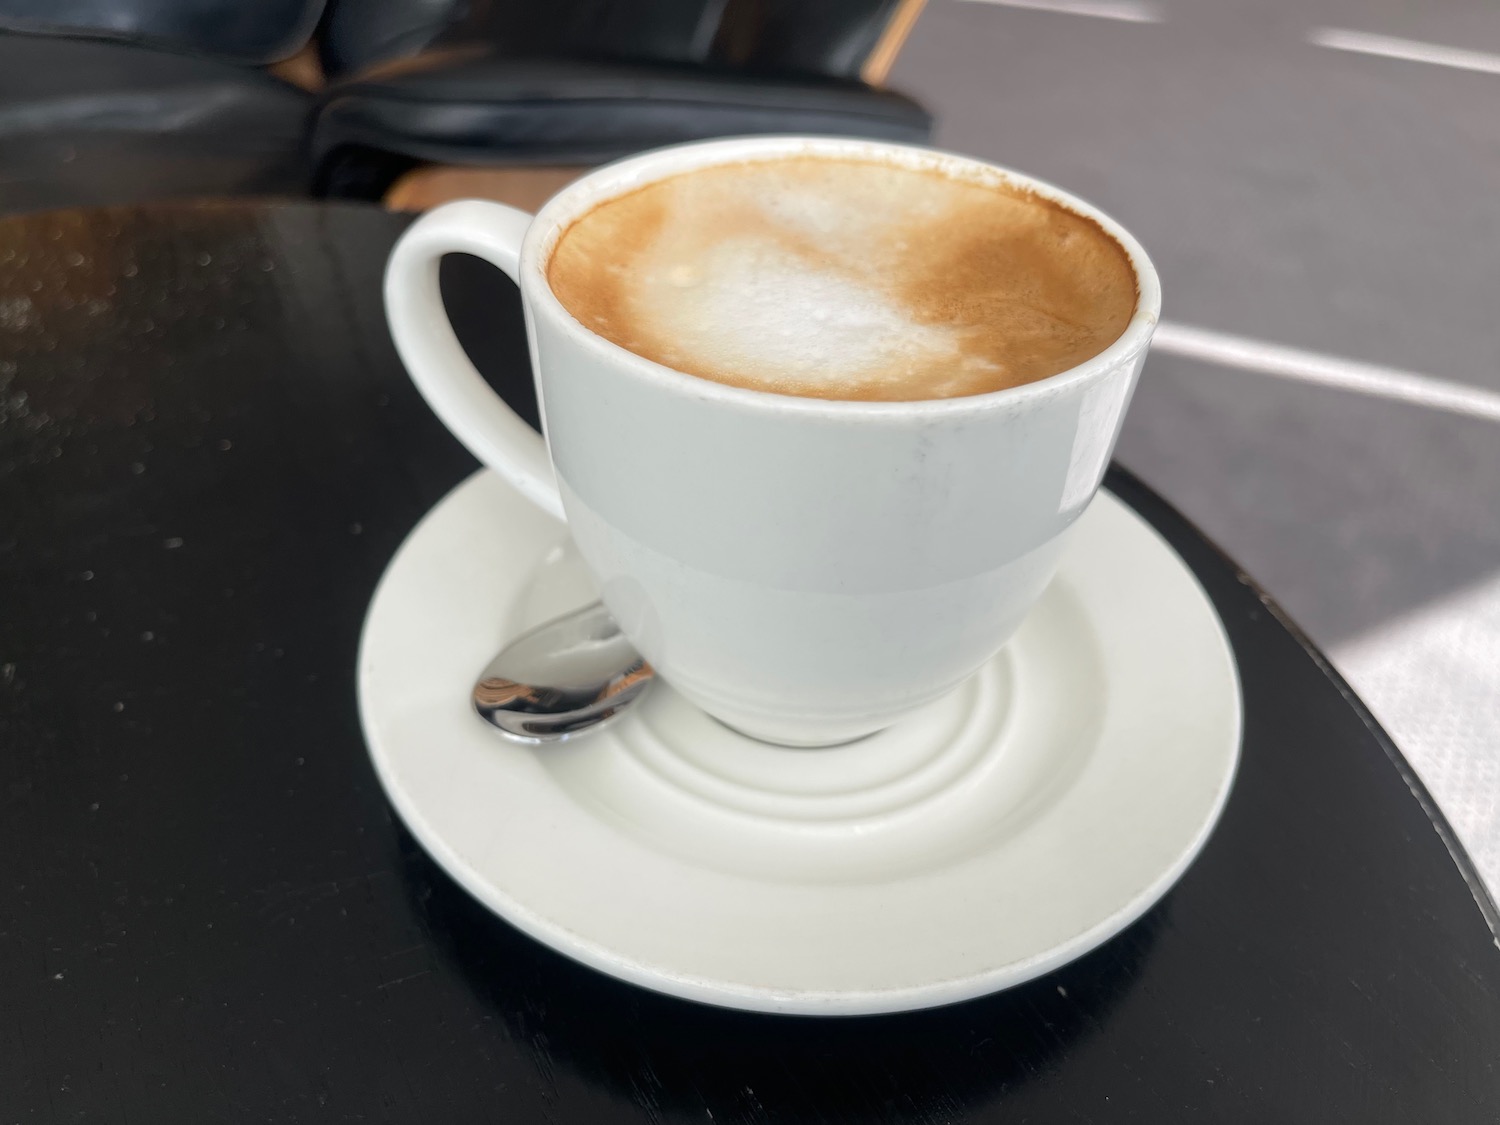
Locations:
562 679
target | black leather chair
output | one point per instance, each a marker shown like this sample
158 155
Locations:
577 82
358 35
119 101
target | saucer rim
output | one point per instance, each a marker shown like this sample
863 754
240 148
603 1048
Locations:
757 998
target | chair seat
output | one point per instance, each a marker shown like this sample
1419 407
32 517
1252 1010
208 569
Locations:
543 111
86 123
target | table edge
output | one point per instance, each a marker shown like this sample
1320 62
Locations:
1132 489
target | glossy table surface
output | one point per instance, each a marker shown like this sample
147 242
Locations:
208 453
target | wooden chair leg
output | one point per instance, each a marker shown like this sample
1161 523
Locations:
892 39
524 187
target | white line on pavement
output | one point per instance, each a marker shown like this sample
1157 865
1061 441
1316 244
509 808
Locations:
1386 46
1326 370
1129 11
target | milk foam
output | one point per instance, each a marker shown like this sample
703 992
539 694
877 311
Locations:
750 305
843 279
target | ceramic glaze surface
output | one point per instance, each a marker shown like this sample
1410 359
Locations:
985 838
806 570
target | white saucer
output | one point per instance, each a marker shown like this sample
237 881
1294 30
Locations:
992 837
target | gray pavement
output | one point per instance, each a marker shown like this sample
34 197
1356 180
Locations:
1338 202
1330 201
1351 510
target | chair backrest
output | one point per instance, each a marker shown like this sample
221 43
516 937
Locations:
829 38
836 38
359 34
247 31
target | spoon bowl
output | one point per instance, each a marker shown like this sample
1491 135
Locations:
565 678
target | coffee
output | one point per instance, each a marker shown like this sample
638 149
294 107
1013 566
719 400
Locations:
843 278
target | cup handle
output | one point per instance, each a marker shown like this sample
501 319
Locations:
435 359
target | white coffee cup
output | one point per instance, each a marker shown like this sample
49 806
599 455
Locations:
805 570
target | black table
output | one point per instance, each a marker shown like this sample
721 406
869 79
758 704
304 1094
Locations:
208 452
